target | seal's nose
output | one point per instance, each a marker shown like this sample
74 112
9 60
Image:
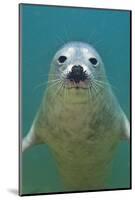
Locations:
77 70
77 74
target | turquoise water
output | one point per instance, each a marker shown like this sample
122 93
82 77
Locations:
44 30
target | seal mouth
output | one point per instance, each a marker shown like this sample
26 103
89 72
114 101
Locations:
73 84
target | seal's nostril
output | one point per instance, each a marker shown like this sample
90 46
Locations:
77 69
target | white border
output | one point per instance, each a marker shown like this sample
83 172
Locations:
9 97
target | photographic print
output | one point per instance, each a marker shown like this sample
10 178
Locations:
75 112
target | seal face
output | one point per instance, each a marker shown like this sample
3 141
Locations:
83 127
78 65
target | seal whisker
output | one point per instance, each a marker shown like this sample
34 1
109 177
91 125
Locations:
64 94
40 85
106 83
102 82
45 83
91 89
94 87
110 78
58 88
89 92
94 91
61 87
50 81
47 74
99 85
53 84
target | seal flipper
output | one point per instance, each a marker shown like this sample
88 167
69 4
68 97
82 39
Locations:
37 132
125 133
29 140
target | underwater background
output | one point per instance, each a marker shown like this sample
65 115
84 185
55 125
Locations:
43 31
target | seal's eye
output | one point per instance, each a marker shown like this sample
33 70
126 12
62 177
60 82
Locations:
93 61
62 59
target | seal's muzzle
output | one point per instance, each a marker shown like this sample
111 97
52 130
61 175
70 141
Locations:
77 74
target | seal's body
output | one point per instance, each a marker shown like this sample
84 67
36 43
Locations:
79 118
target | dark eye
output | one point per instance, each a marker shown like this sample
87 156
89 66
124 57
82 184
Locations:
93 61
62 59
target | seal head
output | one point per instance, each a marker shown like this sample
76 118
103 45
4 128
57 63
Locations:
78 65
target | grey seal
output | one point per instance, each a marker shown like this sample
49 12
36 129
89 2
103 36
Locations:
79 118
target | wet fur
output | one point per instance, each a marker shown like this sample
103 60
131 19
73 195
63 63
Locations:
82 129
82 135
